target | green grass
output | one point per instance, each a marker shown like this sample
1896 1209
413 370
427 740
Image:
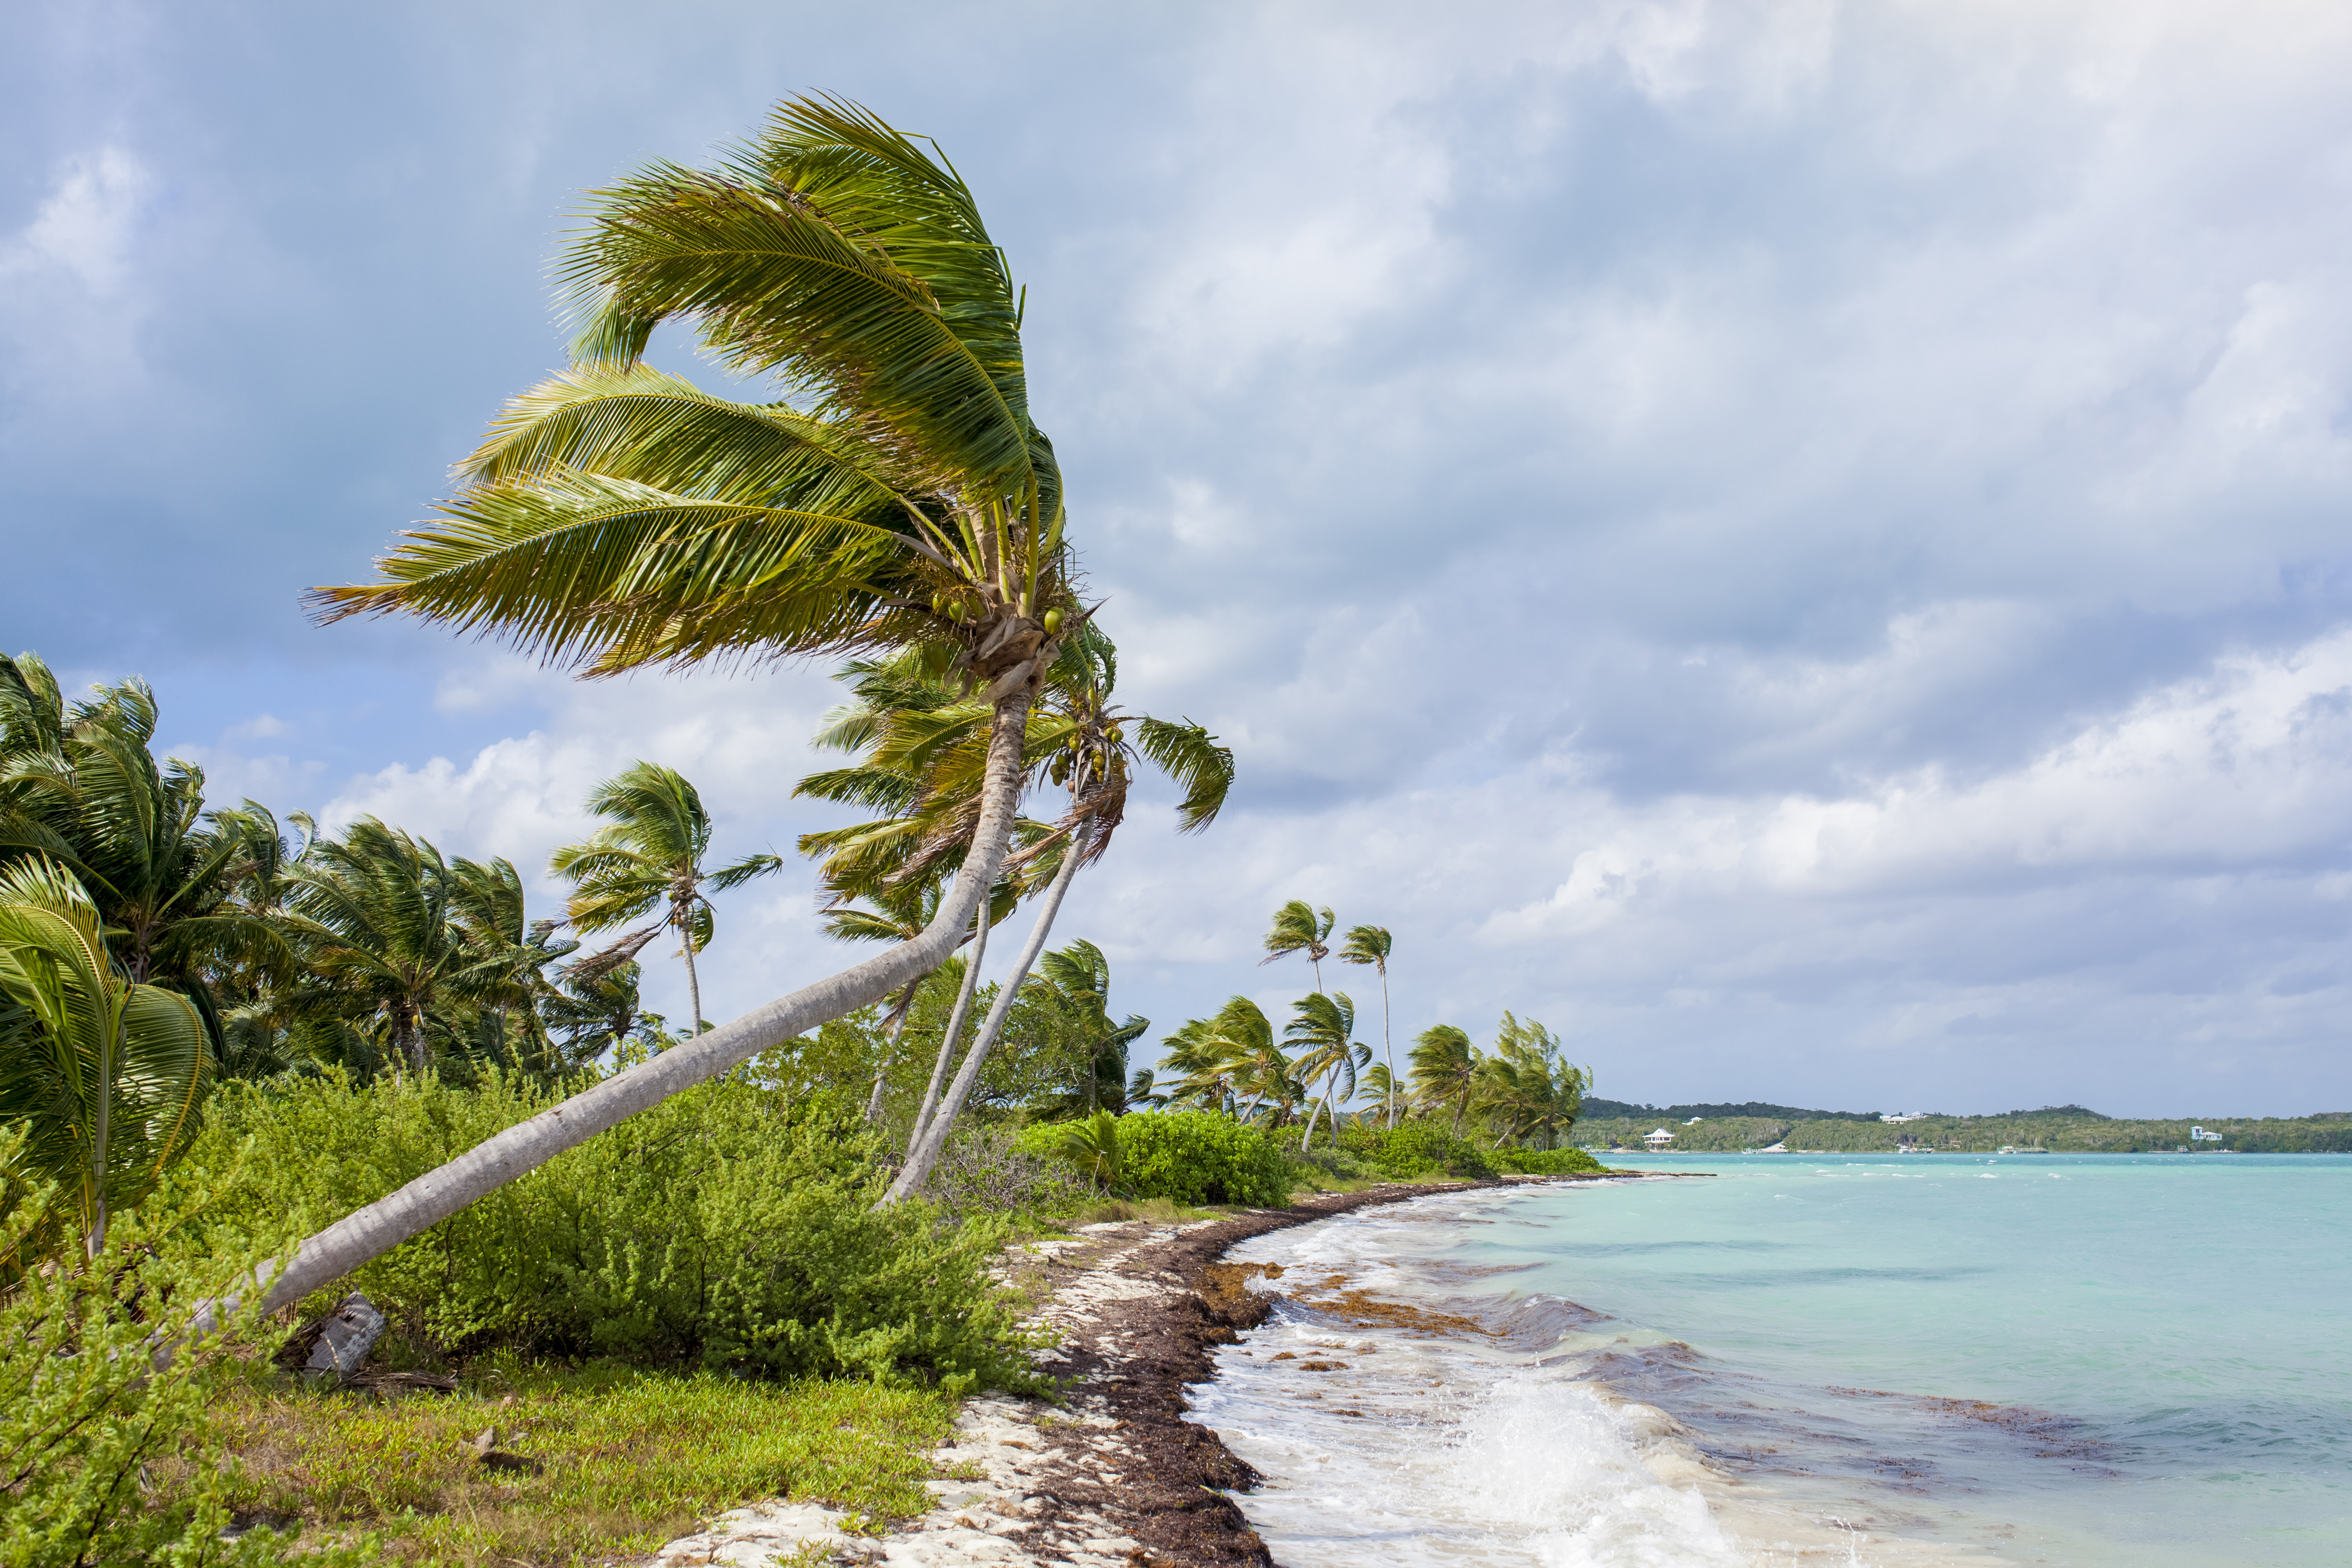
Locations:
628 1460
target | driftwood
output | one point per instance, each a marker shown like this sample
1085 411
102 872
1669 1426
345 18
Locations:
338 1343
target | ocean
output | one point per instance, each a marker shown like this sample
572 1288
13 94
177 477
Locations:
2080 1359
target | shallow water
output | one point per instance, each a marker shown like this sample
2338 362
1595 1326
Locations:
2095 1359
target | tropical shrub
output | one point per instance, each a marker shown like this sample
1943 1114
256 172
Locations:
83 1412
1199 1157
1416 1149
992 1170
730 1226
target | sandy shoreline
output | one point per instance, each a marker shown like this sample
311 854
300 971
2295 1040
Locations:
1114 1475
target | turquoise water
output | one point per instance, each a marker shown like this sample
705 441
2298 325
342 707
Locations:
2053 1358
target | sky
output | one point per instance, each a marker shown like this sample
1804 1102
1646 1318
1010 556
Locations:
1803 545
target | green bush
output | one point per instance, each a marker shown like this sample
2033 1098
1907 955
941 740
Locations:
730 1226
1416 1149
84 1415
1543 1162
1189 1156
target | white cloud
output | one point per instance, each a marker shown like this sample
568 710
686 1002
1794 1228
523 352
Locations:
68 294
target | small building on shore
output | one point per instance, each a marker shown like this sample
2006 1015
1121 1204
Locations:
1659 1140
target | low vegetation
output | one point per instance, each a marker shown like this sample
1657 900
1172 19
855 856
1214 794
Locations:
586 1463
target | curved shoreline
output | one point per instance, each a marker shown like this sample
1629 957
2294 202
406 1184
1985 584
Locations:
1115 1477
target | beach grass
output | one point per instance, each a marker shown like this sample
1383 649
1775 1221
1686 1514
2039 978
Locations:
606 1464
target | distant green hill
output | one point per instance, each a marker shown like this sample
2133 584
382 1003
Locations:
2068 1129
1624 1109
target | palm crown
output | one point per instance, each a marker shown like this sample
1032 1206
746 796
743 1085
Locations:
617 517
1297 928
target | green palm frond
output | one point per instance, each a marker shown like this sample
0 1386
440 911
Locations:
1191 757
835 250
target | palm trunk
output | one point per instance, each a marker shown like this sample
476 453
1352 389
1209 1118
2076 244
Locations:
102 1131
384 1224
918 1168
949 1036
1388 1045
904 1008
693 980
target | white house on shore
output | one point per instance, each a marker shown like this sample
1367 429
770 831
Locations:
1659 1139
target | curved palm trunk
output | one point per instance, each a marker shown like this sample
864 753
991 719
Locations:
499 1159
902 1009
918 1168
949 1035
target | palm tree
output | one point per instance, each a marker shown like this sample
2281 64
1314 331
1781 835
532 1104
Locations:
618 518
1384 1089
1323 1028
1445 1069
106 1073
1526 1088
650 853
486 902
1298 928
1083 747
1372 944
1200 1066
81 786
377 915
596 1010
1078 977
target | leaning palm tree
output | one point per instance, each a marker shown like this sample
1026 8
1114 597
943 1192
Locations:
1300 928
1445 1069
618 518
1323 1031
650 853
1372 944
106 1073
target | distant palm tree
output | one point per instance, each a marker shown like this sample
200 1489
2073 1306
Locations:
1524 1088
1323 1030
1372 944
650 853
1079 979
105 1073
376 915
1445 1069
1299 928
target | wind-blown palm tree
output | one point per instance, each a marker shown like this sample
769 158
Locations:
81 786
1084 748
106 1073
1445 1069
1300 928
1372 945
377 915
595 1011
1524 1088
618 518
1078 976
650 853
1323 1031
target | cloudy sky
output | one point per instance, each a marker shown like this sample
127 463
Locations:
1803 545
